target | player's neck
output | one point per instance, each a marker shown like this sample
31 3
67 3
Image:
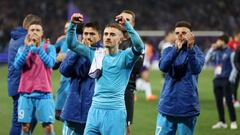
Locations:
112 50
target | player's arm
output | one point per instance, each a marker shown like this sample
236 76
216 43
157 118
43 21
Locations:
58 45
196 59
48 58
72 41
233 74
168 56
82 68
138 45
72 67
138 66
209 55
67 66
21 57
23 51
12 52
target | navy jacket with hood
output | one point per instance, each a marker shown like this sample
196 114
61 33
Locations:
222 58
179 97
17 39
82 87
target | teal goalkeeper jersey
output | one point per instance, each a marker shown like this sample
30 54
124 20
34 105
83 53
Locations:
110 87
116 69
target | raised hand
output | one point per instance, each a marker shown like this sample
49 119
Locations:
120 19
36 39
190 39
60 56
77 18
179 44
28 41
86 42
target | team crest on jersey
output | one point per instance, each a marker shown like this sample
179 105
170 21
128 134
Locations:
21 114
224 57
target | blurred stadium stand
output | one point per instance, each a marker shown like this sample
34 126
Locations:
210 15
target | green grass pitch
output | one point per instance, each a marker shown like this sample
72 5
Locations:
145 112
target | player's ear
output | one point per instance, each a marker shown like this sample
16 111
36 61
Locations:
120 41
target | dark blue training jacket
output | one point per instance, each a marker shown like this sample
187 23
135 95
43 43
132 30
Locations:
81 91
82 87
179 95
221 58
17 39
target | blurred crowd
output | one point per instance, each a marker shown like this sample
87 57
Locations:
13 12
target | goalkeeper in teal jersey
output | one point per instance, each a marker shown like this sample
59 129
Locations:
107 115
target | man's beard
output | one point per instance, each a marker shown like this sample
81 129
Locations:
109 46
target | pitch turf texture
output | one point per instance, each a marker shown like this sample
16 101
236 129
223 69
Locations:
145 113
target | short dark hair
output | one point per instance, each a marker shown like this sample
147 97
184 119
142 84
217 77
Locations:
31 19
224 38
184 24
95 25
117 26
131 13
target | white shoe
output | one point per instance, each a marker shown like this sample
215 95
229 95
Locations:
236 104
218 125
233 125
